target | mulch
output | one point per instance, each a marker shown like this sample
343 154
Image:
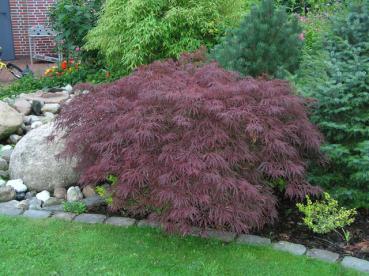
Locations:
290 227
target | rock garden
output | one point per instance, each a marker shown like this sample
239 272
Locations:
212 139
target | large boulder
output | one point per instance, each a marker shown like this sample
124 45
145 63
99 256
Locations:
35 160
10 120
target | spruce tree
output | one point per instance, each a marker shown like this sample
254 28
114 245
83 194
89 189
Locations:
269 41
342 111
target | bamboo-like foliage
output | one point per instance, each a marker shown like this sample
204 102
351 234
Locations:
193 144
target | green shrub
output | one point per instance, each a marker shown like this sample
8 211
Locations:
131 33
267 42
326 216
72 19
76 207
342 110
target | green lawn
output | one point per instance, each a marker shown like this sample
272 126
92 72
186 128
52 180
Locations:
51 247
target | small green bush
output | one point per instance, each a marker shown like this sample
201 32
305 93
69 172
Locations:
325 216
76 207
267 42
135 32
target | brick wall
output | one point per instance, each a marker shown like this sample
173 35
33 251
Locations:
25 14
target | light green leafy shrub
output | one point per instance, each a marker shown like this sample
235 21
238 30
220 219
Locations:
135 32
325 216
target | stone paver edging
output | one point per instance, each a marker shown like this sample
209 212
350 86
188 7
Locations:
296 249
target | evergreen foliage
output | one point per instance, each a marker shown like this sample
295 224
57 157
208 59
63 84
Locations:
267 42
342 111
193 144
135 32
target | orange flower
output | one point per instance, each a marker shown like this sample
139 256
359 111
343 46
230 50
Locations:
64 65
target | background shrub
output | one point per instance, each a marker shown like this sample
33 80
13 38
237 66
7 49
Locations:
72 19
193 144
131 33
267 42
342 108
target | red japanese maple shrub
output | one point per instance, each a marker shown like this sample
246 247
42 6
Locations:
193 144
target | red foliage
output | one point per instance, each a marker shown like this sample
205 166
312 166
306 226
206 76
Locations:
193 144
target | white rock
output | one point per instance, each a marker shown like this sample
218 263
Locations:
43 196
18 185
52 107
35 160
68 88
74 194
36 125
10 120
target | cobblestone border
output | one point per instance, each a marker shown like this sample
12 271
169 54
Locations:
292 248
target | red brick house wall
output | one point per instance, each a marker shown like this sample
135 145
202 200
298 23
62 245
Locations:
26 14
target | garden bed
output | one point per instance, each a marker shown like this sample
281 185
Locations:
290 227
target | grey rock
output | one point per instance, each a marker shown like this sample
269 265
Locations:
2 182
120 221
9 204
4 174
30 195
74 194
10 211
29 120
52 201
35 204
64 216
10 120
37 214
24 204
88 191
22 106
54 208
7 193
293 248
20 196
20 130
324 255
355 263
3 165
252 239
18 185
220 235
60 193
6 153
52 108
45 97
90 218
14 138
36 151
37 106
94 201
148 223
